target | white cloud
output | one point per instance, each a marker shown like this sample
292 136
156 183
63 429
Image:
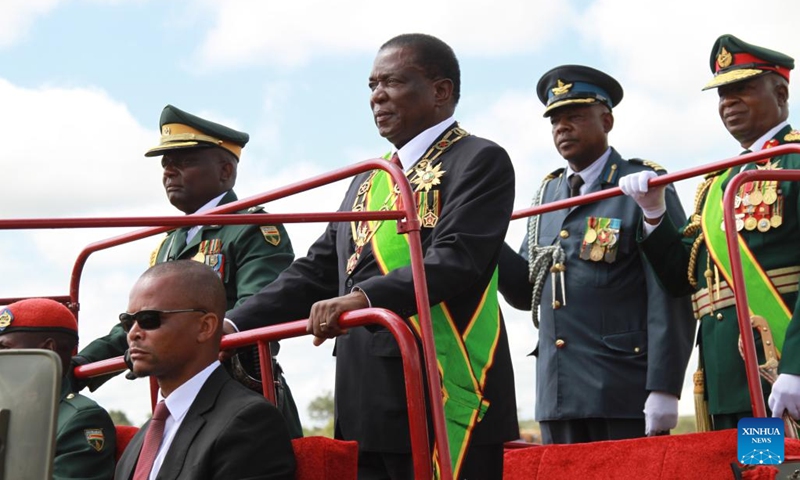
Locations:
16 17
290 34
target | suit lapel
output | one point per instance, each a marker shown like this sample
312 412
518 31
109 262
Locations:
127 463
557 189
192 424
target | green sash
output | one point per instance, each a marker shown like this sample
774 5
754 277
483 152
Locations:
766 300
463 358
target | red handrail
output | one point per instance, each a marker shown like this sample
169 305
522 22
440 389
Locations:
740 290
409 352
407 222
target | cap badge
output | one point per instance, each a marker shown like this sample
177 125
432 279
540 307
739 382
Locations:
5 319
165 130
724 58
561 88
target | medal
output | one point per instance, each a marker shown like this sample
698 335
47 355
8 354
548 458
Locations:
597 252
763 225
770 195
590 236
776 221
750 223
756 197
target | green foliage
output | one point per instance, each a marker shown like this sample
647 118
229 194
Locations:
119 417
321 412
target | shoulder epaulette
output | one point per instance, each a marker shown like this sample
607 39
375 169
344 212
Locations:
713 174
554 174
793 136
255 209
154 253
648 163
79 402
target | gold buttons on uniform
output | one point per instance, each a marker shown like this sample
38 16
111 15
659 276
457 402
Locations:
719 316
636 349
560 343
564 234
70 396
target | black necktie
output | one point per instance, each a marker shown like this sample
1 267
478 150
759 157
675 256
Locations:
575 182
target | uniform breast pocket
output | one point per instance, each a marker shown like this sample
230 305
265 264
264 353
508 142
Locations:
383 344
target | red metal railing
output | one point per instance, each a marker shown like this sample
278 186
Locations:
742 309
418 427
407 223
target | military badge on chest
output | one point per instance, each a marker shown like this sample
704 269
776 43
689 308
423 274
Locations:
210 253
759 205
424 177
600 239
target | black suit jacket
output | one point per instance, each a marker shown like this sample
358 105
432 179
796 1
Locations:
228 432
461 253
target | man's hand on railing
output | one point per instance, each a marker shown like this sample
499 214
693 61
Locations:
323 322
651 201
75 384
129 363
785 396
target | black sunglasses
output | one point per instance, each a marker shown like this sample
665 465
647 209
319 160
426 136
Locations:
150 319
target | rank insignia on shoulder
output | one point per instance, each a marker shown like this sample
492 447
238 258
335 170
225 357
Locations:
792 136
6 317
271 234
648 163
95 438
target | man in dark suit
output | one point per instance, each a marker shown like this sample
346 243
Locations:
85 435
200 163
613 345
753 87
206 425
464 192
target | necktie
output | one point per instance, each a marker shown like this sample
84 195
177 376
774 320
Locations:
575 182
396 160
152 440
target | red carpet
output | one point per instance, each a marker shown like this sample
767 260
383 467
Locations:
704 456
320 458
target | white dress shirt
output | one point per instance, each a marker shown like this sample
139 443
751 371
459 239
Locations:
178 404
590 173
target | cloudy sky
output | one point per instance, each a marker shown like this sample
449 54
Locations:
83 82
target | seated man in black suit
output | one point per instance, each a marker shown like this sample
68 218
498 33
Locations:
206 425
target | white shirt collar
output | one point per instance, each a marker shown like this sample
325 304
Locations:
592 172
182 397
412 151
208 206
758 145
178 404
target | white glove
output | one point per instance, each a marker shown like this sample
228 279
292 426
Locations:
660 413
635 186
785 396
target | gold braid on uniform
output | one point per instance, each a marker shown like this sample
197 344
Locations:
695 226
540 257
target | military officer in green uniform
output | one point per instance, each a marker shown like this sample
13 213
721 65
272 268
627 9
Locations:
753 87
200 160
85 435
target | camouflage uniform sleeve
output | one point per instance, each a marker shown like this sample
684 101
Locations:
85 442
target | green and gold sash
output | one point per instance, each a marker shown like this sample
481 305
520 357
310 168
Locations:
463 358
766 300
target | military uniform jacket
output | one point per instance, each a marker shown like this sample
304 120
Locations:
249 258
461 253
668 250
229 432
85 439
620 335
